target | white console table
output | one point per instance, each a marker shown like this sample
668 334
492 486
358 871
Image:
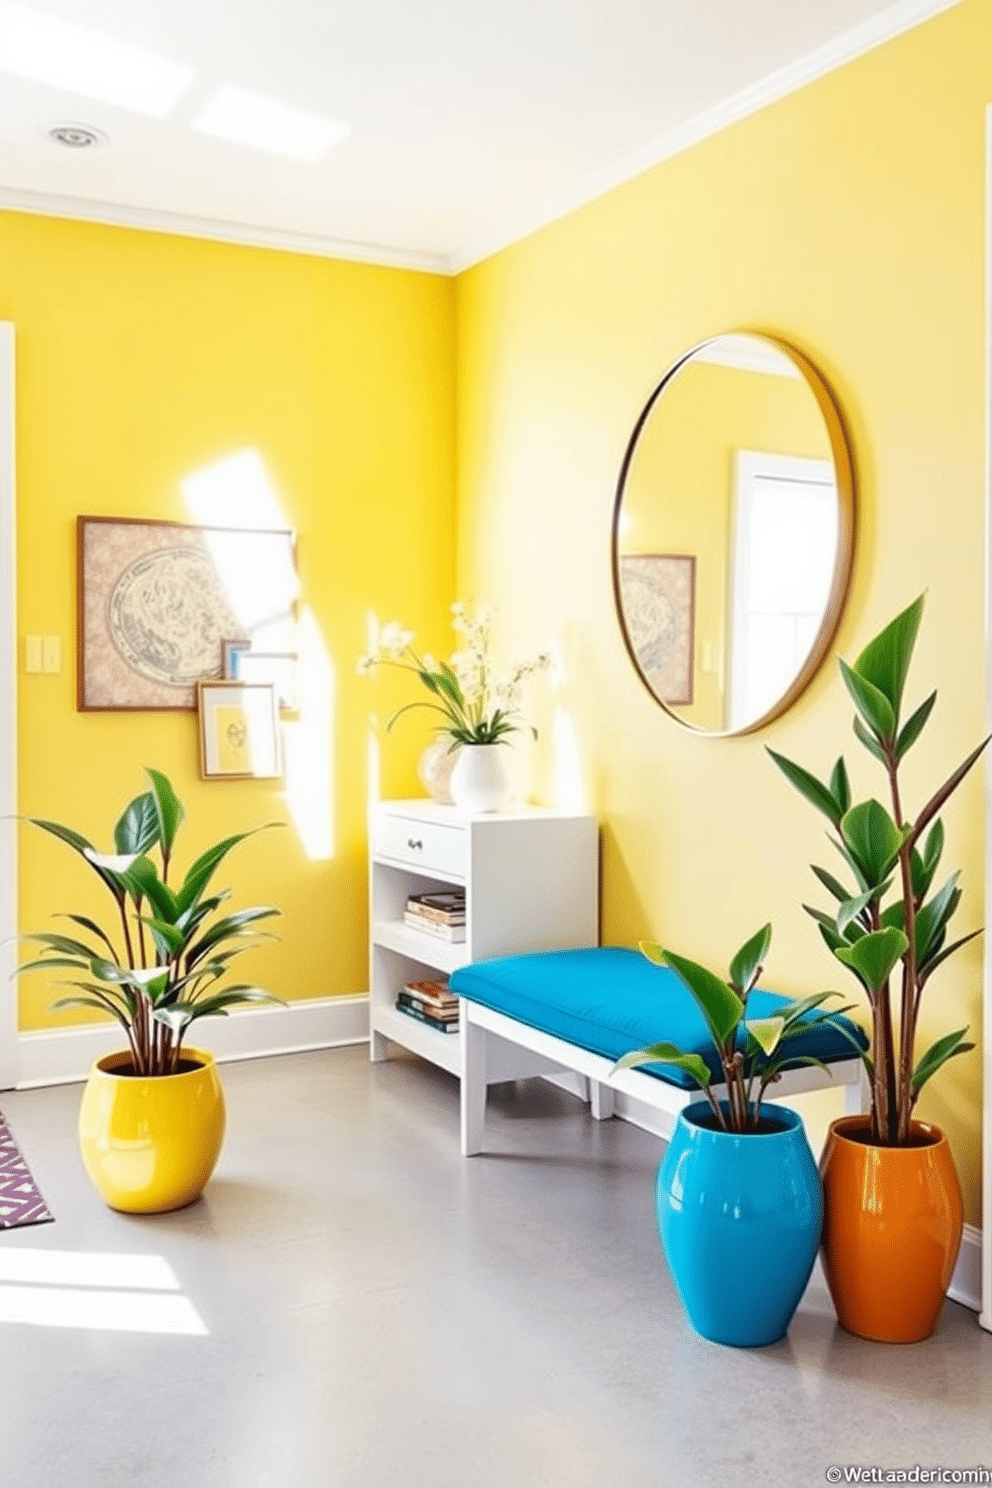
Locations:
531 881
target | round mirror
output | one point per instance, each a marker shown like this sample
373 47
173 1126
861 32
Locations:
733 533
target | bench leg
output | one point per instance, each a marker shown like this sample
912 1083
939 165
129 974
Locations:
473 1087
857 1098
600 1100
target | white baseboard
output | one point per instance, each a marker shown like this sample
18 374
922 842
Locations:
966 1283
60 1056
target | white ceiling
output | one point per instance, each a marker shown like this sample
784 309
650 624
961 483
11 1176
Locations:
472 122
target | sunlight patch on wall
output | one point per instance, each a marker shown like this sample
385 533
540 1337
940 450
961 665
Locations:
570 791
259 578
263 587
309 745
73 1289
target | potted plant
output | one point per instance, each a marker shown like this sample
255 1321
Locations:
738 1194
893 1203
152 1117
478 708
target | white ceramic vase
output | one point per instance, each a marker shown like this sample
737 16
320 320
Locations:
481 780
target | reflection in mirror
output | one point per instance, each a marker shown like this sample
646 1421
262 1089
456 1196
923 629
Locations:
733 533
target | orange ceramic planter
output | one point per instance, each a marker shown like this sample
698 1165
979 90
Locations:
891 1230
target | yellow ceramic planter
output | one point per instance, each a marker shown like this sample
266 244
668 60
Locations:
150 1144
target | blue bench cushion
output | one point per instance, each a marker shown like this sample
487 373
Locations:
610 1000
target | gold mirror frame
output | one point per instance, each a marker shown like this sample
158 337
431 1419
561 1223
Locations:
840 581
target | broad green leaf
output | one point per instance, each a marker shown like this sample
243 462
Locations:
91 1001
137 830
926 972
49 963
174 1018
873 956
828 927
939 1053
933 847
144 876
205 866
219 1002
840 786
918 875
932 918
64 943
167 937
693 1064
814 790
117 999
949 786
117 863
750 959
873 840
92 926
231 926
884 663
869 741
852 909
795 1011
852 863
831 884
872 704
913 728
720 1006
82 846
766 1032
168 809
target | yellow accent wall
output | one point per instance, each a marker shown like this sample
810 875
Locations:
141 360
848 219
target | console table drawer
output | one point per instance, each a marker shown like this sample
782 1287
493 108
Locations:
431 846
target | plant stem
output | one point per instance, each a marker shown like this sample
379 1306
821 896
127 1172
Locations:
907 1020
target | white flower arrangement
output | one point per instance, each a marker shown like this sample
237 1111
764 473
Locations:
477 705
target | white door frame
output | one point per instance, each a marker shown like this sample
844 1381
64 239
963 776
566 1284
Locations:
985 1317
9 1062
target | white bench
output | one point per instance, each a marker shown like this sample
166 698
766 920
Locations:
550 1055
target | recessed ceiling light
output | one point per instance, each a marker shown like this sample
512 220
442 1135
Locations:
88 62
247 119
74 136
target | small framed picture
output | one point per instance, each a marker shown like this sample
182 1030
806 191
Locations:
243 664
239 730
231 654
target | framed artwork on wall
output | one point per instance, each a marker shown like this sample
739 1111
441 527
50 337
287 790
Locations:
156 600
659 595
239 730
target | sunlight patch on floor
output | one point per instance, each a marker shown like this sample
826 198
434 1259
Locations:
74 1289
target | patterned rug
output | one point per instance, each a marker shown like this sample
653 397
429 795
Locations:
20 1201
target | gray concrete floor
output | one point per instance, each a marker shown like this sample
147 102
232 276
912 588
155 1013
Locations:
373 1311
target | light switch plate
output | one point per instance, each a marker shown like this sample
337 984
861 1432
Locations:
32 653
51 654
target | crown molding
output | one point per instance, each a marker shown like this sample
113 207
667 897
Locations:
897 18
903 16
149 219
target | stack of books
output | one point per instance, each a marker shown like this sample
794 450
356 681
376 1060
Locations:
440 913
431 1003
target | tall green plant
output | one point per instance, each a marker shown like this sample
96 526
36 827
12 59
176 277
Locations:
868 933
156 970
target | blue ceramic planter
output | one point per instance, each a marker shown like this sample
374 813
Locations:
740 1220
